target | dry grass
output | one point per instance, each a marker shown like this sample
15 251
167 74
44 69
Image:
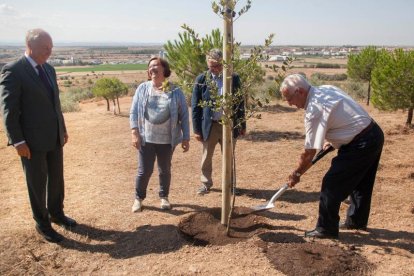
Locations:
100 167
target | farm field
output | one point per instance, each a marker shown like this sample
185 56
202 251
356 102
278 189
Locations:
102 68
100 167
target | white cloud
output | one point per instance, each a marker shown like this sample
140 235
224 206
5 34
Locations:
7 10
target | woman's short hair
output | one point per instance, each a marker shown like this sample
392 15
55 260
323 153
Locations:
164 64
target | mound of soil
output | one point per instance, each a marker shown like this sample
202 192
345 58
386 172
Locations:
314 258
205 228
288 255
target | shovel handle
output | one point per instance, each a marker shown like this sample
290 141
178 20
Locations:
317 157
322 153
278 193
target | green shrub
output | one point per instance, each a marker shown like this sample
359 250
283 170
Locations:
80 94
71 98
357 90
67 103
326 77
327 65
267 90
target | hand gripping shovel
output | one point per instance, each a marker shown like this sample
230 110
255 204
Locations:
271 204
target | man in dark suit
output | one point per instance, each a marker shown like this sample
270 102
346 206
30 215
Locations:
34 124
206 120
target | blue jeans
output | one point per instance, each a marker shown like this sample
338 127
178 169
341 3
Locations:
146 157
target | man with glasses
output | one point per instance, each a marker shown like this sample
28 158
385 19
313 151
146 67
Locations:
332 117
206 120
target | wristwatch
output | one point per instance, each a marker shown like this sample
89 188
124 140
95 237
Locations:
297 174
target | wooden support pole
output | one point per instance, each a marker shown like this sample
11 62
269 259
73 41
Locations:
227 163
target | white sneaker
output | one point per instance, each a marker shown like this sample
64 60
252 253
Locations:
137 207
165 204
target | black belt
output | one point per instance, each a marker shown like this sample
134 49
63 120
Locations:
364 131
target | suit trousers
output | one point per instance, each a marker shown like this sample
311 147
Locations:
215 137
352 172
45 183
146 156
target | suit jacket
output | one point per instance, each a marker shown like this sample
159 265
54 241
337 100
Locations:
202 117
28 113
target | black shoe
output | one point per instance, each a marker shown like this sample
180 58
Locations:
64 221
49 234
320 235
348 226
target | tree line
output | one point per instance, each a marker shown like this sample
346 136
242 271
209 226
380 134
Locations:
390 77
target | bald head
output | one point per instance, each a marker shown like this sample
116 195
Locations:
38 45
295 89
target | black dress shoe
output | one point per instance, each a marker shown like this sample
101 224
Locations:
64 221
49 234
348 226
320 235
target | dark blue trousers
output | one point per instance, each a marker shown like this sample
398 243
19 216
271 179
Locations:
146 158
352 172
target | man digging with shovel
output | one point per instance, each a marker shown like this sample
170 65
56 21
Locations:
334 118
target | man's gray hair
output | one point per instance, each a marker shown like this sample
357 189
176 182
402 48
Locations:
293 81
34 34
215 54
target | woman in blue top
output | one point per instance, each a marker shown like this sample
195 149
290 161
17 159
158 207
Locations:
159 121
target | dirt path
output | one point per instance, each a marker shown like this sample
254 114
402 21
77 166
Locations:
100 168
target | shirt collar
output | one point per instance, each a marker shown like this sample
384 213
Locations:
31 61
216 77
310 92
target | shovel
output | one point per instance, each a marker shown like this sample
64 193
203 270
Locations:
271 204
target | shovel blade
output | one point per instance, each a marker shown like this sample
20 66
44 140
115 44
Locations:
263 207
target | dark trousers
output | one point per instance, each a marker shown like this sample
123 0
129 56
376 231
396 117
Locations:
352 172
45 183
146 159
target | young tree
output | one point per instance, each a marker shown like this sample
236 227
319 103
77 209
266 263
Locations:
360 66
110 89
187 58
187 55
393 82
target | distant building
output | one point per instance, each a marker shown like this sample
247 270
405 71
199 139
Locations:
161 54
278 58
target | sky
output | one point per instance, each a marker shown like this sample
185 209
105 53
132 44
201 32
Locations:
294 22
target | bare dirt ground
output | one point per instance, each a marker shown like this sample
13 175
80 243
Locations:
100 167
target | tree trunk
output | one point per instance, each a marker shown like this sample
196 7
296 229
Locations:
117 102
369 92
227 129
107 104
114 105
410 117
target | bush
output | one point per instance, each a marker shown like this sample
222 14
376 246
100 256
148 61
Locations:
80 94
355 89
268 90
326 77
67 83
70 99
67 103
327 65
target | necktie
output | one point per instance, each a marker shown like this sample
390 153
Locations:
45 81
